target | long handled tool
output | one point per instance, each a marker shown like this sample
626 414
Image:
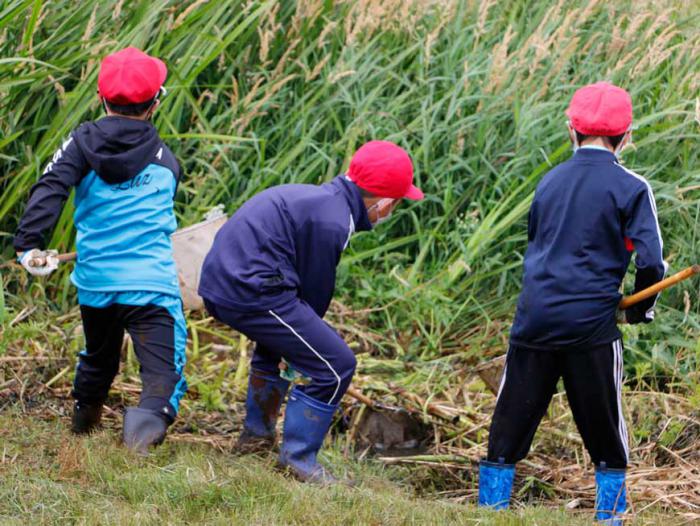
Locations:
642 295
430 408
492 370
40 262
625 303
190 246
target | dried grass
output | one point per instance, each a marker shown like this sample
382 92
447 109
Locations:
367 17
500 70
267 31
660 475
256 109
71 460
186 12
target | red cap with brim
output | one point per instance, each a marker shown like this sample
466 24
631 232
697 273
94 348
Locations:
130 76
600 109
385 170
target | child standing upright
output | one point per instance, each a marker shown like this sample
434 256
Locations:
587 217
125 179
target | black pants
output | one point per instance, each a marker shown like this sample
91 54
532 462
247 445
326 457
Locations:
593 382
159 336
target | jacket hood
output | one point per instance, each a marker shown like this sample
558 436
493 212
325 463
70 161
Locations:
118 148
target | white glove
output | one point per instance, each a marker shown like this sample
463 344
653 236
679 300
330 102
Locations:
39 262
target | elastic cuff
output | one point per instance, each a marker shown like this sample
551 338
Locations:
25 248
605 469
492 464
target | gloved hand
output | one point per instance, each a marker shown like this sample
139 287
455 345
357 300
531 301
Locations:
39 262
637 315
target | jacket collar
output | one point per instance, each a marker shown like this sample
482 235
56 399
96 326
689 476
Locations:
357 206
594 155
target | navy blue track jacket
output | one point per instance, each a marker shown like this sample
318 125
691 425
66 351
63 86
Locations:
586 215
125 179
283 243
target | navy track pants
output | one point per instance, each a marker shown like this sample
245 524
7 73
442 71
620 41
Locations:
157 328
296 333
593 384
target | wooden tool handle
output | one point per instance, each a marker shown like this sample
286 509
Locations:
628 301
430 408
40 262
357 395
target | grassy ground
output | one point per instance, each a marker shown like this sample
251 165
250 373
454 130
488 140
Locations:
50 477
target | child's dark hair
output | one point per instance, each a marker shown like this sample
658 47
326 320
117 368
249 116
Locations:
614 140
131 110
365 194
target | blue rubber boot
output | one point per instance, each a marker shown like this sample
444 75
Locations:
495 484
611 495
266 393
306 423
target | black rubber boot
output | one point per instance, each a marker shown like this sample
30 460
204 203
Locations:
86 417
144 428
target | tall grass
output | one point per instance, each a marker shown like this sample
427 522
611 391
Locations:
263 93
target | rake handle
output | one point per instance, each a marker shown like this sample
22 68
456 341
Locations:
430 408
357 395
684 274
40 262
625 303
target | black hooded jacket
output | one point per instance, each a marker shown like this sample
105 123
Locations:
115 148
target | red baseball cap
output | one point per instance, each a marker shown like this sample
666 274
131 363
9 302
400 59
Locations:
600 109
384 169
130 76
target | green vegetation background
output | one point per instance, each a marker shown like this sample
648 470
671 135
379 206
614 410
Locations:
262 93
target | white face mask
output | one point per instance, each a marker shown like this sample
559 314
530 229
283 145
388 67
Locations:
376 205
623 144
574 142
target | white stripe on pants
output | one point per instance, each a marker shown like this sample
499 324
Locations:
503 377
618 370
337 376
